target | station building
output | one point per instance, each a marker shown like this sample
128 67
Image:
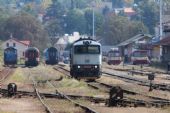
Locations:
21 46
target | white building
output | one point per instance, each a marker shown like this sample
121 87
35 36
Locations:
63 42
21 46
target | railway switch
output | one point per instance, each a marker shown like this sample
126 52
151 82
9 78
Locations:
12 89
116 96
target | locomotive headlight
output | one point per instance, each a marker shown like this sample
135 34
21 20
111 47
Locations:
95 66
78 67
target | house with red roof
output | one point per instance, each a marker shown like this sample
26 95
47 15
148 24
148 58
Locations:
165 43
129 11
21 46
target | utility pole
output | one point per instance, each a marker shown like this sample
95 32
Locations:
93 22
93 5
72 4
160 25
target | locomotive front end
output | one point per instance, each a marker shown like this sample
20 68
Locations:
86 59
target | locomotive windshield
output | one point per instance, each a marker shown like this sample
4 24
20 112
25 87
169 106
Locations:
140 54
82 49
114 54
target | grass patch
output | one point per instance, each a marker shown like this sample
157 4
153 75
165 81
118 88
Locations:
18 76
72 86
159 65
72 83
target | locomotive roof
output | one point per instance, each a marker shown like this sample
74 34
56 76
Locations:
139 50
81 41
52 48
10 48
32 48
49 48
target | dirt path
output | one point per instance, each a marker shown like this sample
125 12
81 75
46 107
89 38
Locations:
22 105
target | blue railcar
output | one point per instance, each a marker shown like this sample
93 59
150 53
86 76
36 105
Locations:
10 56
51 55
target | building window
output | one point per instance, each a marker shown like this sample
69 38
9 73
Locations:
23 54
7 44
166 50
14 44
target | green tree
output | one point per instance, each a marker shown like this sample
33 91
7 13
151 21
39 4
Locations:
98 21
3 17
24 26
148 13
117 29
55 10
75 21
117 3
53 28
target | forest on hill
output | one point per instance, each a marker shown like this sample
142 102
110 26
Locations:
21 18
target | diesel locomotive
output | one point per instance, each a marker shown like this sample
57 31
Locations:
85 59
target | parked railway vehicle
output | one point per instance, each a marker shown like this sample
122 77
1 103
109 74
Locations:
85 59
10 56
139 57
32 56
114 56
66 57
51 55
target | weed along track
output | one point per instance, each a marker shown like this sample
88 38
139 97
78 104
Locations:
67 100
138 80
131 97
4 73
51 89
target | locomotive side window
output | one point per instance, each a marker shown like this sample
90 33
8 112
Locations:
139 54
87 49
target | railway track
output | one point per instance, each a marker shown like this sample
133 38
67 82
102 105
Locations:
69 98
154 101
140 70
127 78
87 109
5 73
47 109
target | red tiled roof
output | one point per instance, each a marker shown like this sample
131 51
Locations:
165 41
129 11
26 42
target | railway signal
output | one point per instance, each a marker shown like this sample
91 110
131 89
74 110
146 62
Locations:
151 77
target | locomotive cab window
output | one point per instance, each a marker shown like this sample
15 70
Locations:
114 54
139 54
87 49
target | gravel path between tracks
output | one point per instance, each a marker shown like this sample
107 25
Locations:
159 77
141 89
21 78
65 86
100 108
22 105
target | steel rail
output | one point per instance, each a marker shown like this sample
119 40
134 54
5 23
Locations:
4 74
87 109
39 96
158 101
